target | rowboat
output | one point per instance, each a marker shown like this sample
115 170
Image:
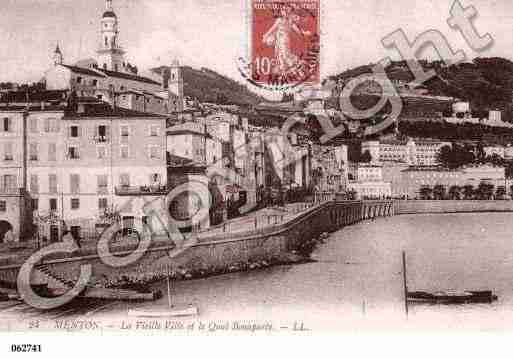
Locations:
452 297
188 311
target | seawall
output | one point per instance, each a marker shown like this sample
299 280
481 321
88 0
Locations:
419 207
219 253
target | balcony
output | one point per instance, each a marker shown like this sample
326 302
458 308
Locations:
153 190
100 139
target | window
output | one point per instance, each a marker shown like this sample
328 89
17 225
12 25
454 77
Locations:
51 125
94 83
103 184
115 65
102 133
154 152
8 151
52 152
124 133
33 152
7 124
9 183
124 180
106 40
52 183
73 153
74 131
79 80
34 184
102 203
35 204
102 152
75 203
105 65
33 125
74 183
3 206
124 152
154 130
53 204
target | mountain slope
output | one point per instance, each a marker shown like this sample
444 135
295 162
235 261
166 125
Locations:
487 83
209 86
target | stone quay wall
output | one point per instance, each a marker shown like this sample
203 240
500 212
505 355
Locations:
222 251
420 207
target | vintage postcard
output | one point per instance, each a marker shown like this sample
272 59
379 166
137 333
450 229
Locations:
254 167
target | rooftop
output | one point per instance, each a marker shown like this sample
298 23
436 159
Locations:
84 71
92 111
187 127
123 75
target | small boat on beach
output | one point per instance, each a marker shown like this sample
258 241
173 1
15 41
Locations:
452 297
188 311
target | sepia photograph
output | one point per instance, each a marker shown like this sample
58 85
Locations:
254 167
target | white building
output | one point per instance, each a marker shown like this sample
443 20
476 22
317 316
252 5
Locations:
78 166
415 152
112 79
369 182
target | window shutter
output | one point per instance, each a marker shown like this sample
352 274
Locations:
10 124
52 151
79 131
107 132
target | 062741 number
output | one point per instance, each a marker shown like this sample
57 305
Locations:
26 348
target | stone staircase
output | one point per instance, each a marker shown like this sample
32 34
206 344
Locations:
44 274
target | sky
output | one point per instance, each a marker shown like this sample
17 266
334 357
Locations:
213 33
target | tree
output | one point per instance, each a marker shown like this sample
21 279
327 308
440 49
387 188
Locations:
485 191
439 192
455 156
500 193
468 192
425 192
366 157
455 192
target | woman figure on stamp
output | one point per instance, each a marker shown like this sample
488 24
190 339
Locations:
279 36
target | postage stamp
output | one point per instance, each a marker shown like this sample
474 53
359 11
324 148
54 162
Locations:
284 43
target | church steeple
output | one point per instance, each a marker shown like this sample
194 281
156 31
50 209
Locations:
58 59
110 54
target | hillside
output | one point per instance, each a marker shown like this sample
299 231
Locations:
209 86
487 83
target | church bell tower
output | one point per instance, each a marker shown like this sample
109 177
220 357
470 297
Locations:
110 54
175 86
58 59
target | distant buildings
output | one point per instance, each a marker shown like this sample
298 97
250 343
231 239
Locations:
368 183
412 179
330 168
414 152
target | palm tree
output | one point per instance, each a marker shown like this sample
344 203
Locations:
455 192
485 191
439 192
500 193
425 192
468 191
